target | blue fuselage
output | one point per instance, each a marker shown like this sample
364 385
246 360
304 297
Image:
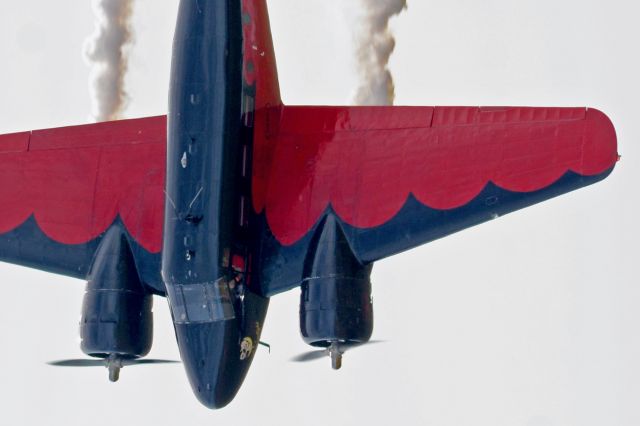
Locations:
217 320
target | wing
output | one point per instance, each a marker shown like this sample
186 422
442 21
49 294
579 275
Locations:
61 189
399 177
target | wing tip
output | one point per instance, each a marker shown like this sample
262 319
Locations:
601 143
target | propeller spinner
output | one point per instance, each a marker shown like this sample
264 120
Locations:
114 363
335 350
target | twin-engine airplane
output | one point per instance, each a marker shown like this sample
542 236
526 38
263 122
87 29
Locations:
235 197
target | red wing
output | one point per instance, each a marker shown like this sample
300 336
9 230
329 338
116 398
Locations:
367 162
74 183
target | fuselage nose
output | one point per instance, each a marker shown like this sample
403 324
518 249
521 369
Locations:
209 354
217 353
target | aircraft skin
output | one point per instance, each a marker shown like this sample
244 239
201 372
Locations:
235 197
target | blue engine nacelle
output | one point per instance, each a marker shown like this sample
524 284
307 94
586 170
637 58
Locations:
116 311
335 305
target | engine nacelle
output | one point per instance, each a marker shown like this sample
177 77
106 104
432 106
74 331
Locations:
116 311
336 309
335 305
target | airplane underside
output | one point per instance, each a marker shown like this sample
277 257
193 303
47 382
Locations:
235 197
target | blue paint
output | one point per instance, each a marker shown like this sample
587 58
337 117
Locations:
282 267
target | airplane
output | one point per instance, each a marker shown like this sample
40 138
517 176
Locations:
234 197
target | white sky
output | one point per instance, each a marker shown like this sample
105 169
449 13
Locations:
529 320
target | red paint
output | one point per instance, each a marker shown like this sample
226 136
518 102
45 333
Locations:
15 142
259 56
365 161
238 263
76 180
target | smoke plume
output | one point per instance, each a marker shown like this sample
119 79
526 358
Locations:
105 51
375 44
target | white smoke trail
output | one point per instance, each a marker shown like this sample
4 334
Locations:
375 44
105 51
